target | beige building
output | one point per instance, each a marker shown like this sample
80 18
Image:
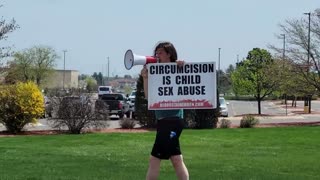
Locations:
70 79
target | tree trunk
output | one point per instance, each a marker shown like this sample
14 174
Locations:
259 106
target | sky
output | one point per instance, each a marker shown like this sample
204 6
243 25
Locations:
96 32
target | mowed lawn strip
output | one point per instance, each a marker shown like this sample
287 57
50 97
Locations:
260 153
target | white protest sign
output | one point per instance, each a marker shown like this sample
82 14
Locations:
192 86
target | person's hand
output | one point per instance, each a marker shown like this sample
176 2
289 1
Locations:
144 72
180 63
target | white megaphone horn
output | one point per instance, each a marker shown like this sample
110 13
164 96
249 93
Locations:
131 59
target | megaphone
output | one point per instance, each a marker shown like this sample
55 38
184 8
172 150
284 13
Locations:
131 59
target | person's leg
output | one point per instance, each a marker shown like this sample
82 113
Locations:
179 166
154 168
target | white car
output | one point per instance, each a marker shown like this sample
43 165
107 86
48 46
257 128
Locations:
223 107
132 96
132 99
104 90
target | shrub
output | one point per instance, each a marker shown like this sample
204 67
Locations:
77 113
207 118
248 121
101 109
127 123
20 104
202 118
225 123
189 118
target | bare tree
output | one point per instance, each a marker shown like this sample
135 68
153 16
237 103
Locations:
5 29
297 51
77 113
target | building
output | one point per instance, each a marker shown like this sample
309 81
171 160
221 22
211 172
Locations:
70 79
120 83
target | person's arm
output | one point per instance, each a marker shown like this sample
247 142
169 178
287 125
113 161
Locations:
144 74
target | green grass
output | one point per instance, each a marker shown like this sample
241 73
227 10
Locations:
261 153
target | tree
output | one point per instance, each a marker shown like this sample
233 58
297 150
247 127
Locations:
291 83
146 117
297 51
127 89
44 61
5 29
255 76
95 76
225 82
91 84
12 77
127 76
100 79
34 64
230 69
82 77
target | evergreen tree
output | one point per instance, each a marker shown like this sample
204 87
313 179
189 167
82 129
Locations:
202 118
146 118
100 79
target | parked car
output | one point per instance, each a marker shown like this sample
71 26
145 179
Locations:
131 110
223 107
117 103
104 90
131 102
132 96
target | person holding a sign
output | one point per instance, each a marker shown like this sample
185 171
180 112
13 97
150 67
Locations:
169 123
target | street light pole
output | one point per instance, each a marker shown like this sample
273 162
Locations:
309 14
64 67
283 61
219 68
108 68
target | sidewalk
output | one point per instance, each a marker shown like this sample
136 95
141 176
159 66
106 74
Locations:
278 120
295 116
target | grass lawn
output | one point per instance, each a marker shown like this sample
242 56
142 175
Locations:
260 153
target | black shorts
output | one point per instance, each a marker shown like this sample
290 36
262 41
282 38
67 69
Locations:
167 139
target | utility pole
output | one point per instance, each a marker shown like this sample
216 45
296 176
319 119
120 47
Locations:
108 68
219 69
309 14
308 98
64 68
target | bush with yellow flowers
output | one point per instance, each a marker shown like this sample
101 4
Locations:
20 104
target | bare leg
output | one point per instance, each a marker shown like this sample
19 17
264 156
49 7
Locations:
180 168
154 168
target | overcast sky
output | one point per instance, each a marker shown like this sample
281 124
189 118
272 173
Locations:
91 31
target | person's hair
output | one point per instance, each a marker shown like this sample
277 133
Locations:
169 48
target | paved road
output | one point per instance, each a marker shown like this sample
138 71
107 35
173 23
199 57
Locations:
237 108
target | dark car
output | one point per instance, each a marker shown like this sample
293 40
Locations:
117 104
